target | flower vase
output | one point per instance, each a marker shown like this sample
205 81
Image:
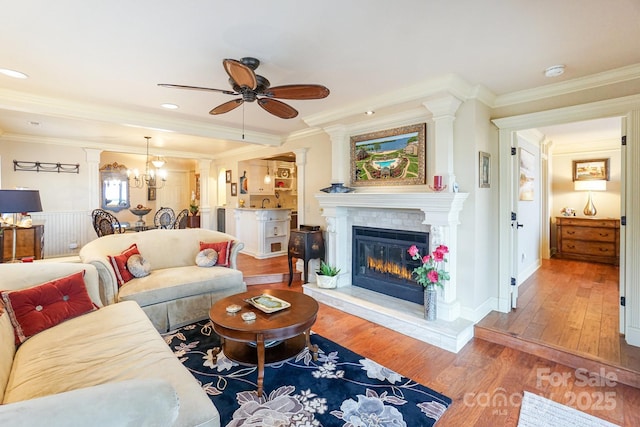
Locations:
430 300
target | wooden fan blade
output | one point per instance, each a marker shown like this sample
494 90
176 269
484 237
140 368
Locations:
210 89
240 73
277 108
297 92
227 106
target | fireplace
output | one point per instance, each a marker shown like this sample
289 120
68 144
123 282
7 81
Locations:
382 264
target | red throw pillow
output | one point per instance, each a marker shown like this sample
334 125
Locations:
38 308
222 248
119 264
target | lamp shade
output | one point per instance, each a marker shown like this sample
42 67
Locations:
17 201
590 185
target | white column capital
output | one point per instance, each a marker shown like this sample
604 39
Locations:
443 105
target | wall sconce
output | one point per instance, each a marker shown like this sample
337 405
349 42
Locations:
590 185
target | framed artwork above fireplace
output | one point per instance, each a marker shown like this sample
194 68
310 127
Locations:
389 157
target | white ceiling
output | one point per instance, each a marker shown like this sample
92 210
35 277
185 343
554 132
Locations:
94 66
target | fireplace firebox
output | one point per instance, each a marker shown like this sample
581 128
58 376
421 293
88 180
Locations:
382 264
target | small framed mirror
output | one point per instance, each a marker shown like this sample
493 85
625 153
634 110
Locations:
114 184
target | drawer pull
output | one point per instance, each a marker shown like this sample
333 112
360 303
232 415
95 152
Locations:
604 234
571 232
571 246
604 250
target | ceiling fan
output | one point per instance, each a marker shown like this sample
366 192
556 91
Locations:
254 87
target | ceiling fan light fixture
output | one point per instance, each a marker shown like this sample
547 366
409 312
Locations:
554 71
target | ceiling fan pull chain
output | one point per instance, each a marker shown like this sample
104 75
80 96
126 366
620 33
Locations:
243 120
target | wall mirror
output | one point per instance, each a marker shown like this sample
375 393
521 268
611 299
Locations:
114 184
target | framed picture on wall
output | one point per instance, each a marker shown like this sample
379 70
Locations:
485 170
527 176
389 157
588 170
228 176
151 193
234 189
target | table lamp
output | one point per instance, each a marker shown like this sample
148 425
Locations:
591 185
15 202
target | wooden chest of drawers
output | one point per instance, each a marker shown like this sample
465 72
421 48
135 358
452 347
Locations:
588 239
29 243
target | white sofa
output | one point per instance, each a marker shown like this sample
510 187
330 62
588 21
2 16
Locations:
177 292
108 367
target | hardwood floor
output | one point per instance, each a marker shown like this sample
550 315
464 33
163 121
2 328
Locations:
485 380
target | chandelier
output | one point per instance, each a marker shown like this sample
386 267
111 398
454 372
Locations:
153 172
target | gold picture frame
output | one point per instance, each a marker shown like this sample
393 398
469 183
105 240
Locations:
589 170
389 157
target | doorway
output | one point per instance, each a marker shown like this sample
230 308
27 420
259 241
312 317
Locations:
628 109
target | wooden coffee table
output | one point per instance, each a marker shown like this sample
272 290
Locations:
270 338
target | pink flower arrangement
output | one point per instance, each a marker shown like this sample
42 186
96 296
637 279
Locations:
431 272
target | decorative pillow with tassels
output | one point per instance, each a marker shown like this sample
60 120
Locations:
40 307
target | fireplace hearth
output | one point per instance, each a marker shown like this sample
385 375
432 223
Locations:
382 264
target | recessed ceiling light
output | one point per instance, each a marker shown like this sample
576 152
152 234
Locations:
13 73
170 106
554 71
370 113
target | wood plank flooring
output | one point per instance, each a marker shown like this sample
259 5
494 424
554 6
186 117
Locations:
485 380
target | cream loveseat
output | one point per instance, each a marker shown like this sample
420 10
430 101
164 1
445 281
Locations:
176 292
108 367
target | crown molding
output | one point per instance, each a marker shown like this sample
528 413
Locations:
447 83
58 107
604 78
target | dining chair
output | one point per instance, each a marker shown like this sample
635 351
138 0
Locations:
181 219
104 223
164 218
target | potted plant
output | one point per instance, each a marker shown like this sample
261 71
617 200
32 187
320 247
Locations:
327 275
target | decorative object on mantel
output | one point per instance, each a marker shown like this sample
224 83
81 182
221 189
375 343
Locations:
327 276
437 184
20 165
337 188
567 211
389 157
430 274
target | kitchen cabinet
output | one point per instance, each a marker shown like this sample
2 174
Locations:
264 232
255 181
588 239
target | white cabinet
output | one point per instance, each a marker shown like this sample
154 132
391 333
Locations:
264 232
256 184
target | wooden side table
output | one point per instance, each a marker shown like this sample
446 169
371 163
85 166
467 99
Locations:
305 245
270 338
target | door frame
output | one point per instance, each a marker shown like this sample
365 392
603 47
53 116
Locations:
629 109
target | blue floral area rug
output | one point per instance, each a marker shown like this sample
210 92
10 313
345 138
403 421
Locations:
340 388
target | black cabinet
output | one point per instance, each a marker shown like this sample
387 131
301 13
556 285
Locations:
304 245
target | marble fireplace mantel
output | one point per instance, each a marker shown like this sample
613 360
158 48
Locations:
435 212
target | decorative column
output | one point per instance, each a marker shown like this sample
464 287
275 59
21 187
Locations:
338 253
444 109
93 167
204 166
301 163
339 154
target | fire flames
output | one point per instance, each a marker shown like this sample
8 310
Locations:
388 267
